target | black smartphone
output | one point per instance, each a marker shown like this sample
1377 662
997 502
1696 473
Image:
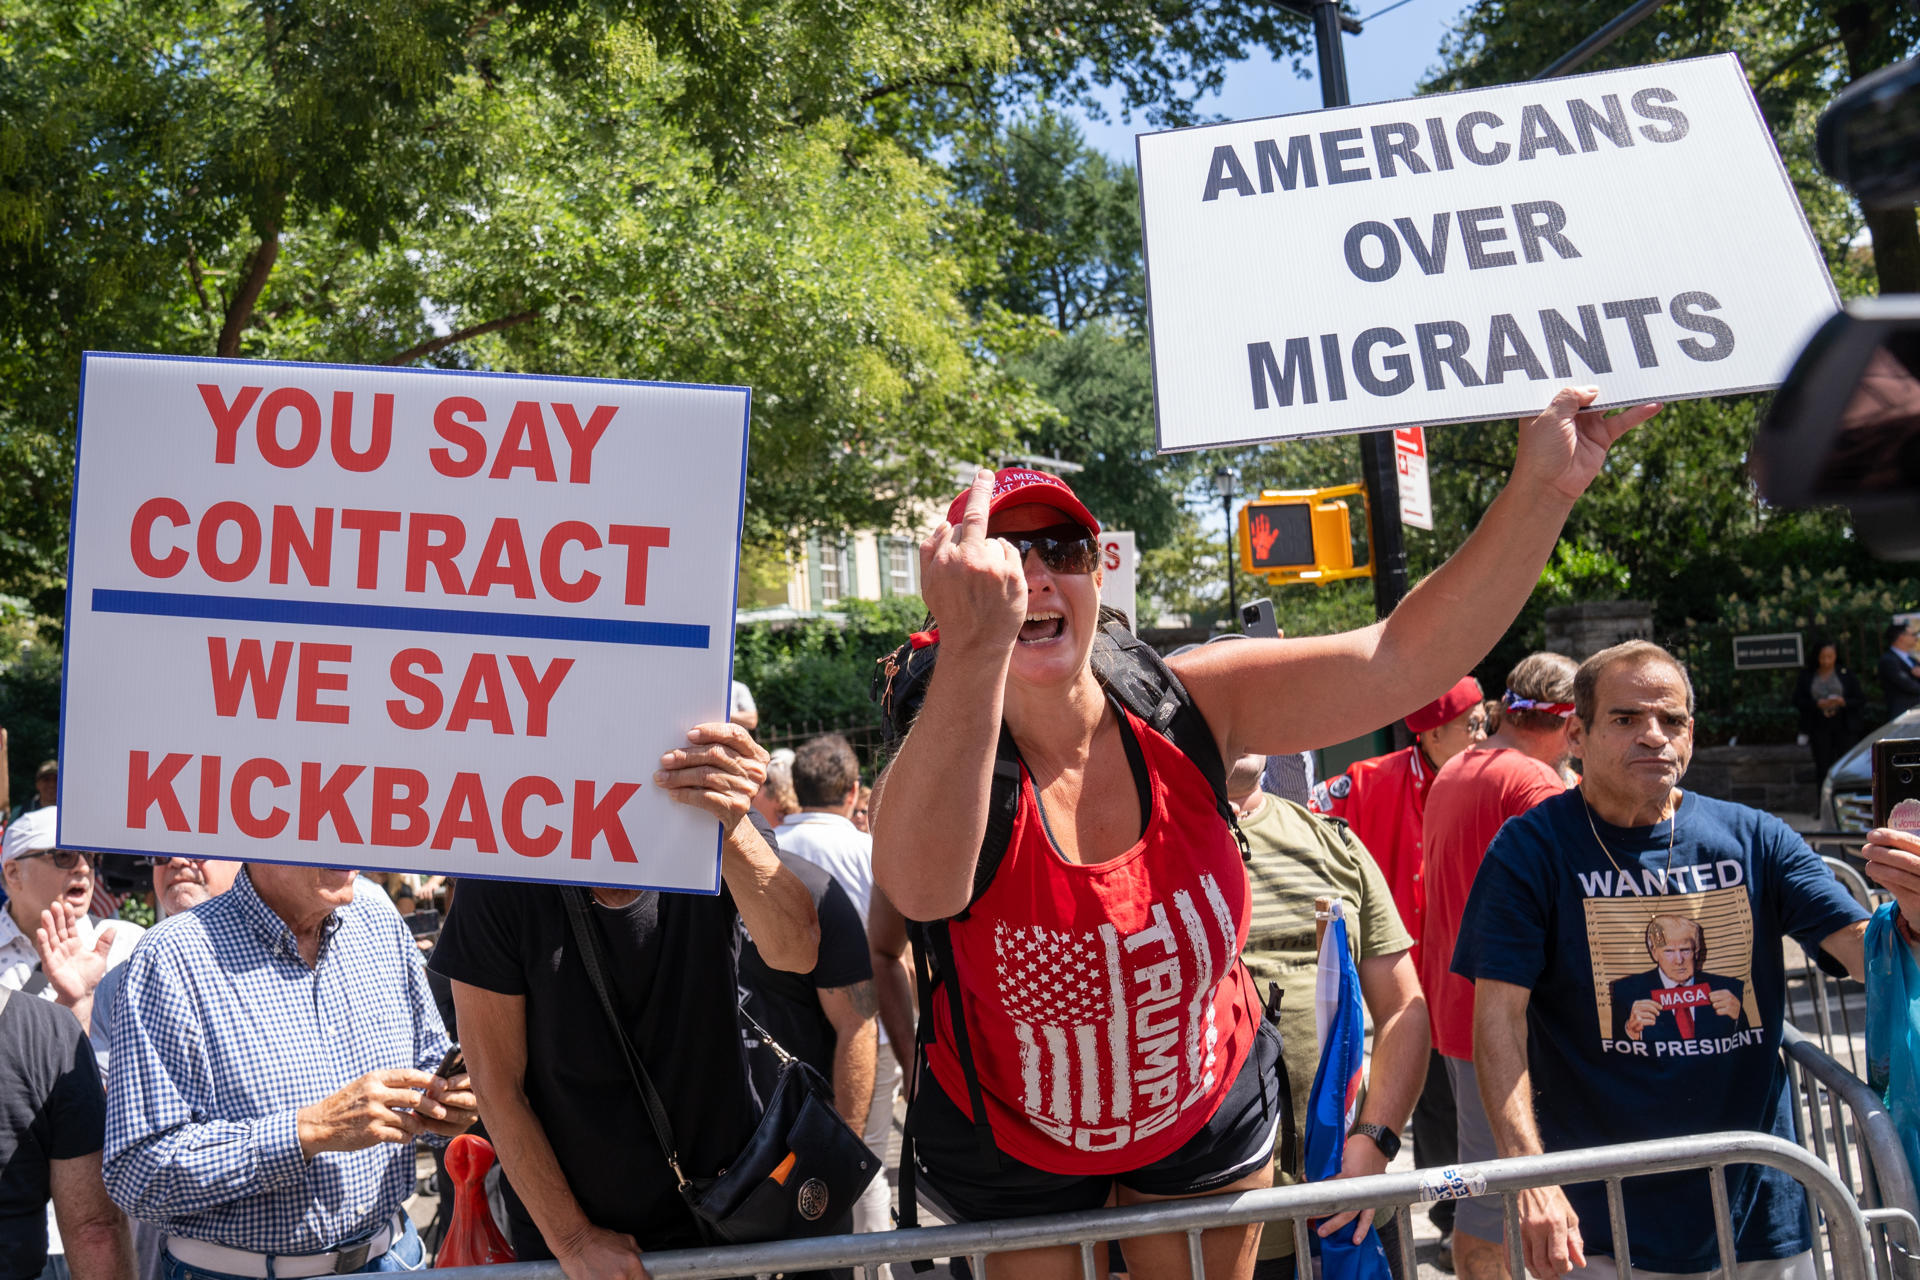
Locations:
452 1064
1257 619
1896 783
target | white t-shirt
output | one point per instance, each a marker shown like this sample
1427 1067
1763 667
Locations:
835 845
742 701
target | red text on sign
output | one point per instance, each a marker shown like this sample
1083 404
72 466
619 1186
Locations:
232 543
378 806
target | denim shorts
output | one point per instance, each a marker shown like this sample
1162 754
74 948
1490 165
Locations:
1237 1140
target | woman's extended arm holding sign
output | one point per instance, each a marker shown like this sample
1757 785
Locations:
1292 695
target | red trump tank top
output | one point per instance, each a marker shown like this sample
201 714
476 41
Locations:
1107 1008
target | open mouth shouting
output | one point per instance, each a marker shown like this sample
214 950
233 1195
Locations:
1042 626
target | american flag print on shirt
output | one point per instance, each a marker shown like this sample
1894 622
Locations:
1116 1032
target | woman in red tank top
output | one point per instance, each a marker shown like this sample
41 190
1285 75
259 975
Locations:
1117 1039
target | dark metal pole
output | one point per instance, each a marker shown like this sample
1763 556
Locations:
1576 57
1378 470
1233 588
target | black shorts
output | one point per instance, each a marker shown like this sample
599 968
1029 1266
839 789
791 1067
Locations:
1235 1142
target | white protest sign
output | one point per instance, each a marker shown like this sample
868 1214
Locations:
397 618
1410 460
1462 256
1117 578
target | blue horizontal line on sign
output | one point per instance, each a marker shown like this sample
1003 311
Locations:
386 617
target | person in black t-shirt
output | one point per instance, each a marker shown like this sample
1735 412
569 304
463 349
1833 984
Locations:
586 1180
53 1123
825 1018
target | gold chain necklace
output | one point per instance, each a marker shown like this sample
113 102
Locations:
1672 830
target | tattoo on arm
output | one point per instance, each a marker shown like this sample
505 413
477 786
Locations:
865 1002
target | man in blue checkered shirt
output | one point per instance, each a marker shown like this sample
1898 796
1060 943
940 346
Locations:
273 1052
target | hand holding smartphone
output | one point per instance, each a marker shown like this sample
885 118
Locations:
1893 858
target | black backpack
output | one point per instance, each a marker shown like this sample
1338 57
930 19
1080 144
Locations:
1133 676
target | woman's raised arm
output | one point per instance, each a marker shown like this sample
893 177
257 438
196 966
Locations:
1293 695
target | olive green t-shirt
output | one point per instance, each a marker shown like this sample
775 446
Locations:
1297 857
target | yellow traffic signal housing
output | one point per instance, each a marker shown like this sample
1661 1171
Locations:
1301 535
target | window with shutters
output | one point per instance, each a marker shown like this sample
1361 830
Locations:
899 567
833 573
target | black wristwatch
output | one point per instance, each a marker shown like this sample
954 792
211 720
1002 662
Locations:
1384 1138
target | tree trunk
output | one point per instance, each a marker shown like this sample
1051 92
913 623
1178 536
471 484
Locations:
1896 248
240 310
1895 231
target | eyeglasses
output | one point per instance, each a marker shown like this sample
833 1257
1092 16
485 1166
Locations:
65 859
1063 548
1477 725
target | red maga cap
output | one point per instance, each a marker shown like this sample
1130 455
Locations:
1457 701
1021 486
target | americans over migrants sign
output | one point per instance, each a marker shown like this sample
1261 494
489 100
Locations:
1460 257
397 618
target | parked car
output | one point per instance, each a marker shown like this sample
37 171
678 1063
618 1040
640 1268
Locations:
1846 797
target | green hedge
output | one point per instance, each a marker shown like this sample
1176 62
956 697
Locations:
816 672
1757 706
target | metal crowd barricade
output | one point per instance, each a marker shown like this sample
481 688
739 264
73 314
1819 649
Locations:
1845 1227
1843 1122
1830 1009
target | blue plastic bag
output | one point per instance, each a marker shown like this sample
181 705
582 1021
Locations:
1893 1028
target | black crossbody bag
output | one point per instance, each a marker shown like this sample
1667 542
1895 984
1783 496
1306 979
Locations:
800 1172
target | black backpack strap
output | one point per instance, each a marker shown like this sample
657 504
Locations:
942 941
933 946
1144 684
1003 807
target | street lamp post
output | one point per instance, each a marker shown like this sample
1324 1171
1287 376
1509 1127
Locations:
1225 481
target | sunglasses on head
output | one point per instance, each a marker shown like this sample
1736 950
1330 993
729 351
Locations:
65 859
1063 548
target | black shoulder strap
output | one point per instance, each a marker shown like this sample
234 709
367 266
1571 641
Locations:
1144 684
588 941
933 971
1003 806
1147 686
36 982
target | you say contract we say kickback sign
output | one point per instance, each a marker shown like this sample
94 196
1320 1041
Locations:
1462 256
397 618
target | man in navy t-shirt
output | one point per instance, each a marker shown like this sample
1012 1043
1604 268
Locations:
1624 942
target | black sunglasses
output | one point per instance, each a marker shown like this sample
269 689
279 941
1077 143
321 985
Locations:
1063 548
65 859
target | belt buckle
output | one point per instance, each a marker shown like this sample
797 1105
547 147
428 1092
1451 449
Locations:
352 1257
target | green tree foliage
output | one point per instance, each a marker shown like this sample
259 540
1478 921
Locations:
1756 706
681 191
1059 228
1061 221
820 672
1100 382
29 707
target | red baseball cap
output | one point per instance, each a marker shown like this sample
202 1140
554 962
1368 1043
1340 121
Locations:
1455 702
1022 486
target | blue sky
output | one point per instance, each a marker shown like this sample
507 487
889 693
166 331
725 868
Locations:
1384 62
